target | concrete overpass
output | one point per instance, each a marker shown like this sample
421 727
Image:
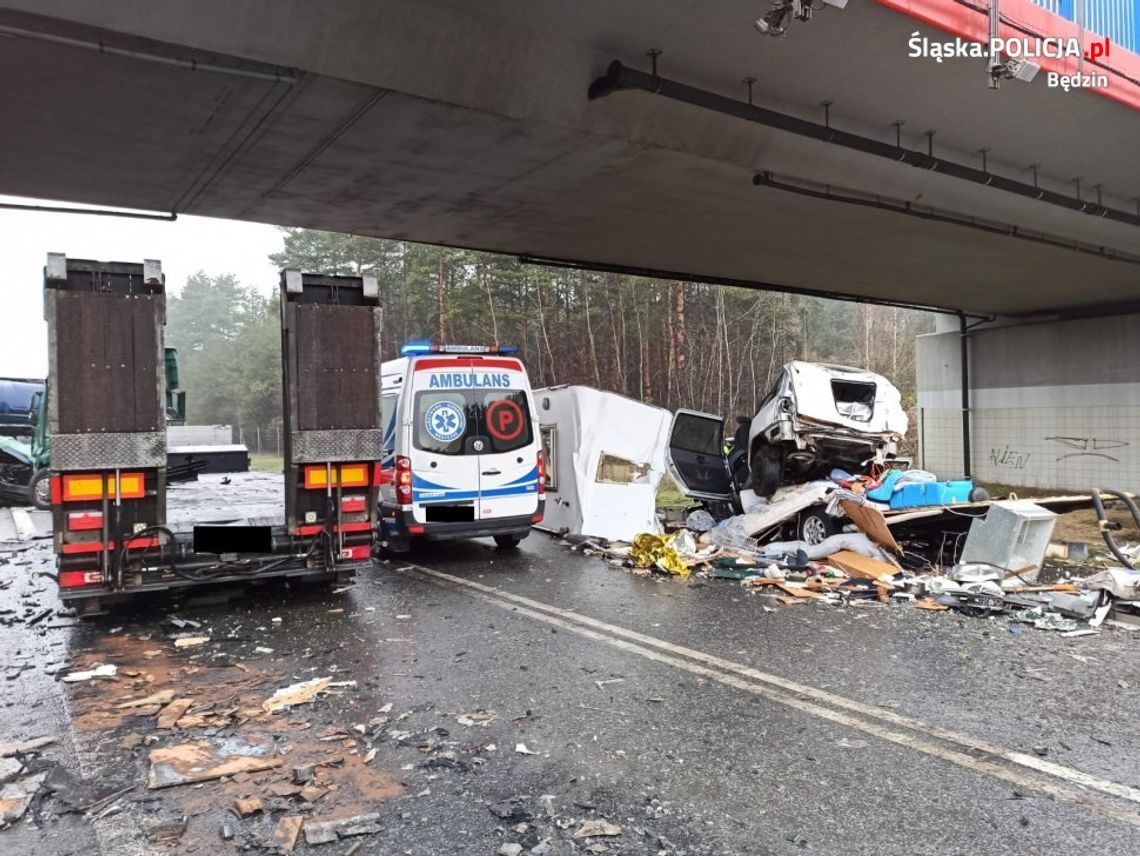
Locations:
857 170
470 125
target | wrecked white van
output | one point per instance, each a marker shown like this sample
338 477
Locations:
818 417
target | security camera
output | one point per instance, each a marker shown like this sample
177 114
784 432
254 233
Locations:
1013 69
775 22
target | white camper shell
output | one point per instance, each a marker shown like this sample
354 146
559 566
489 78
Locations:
462 456
605 457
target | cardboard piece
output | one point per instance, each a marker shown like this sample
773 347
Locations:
870 522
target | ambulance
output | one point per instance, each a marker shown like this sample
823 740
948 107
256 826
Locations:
462 450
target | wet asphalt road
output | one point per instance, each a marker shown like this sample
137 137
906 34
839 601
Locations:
683 760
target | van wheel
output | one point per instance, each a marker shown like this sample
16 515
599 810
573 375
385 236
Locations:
767 467
507 542
39 489
817 525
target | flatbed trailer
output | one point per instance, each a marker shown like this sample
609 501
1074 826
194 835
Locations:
106 413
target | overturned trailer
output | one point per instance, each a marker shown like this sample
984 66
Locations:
107 418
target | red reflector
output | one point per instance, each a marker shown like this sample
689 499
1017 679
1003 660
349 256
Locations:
74 579
536 518
416 529
349 504
355 553
85 547
78 521
361 526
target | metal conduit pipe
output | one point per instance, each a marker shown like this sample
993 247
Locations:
172 62
619 77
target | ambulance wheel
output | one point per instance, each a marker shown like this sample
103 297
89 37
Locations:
507 542
39 489
816 525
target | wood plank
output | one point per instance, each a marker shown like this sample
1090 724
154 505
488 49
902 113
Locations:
862 567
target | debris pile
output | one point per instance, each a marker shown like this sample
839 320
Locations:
856 559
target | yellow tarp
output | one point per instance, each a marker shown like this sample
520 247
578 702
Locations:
656 551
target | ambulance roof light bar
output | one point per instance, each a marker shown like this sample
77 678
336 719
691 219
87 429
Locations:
419 347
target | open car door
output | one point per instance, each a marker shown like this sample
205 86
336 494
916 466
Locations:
696 457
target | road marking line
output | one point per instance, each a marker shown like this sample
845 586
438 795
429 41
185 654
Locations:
610 634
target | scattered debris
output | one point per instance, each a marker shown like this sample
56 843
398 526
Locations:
288 828
248 806
190 641
161 697
186 763
15 797
300 693
597 829
106 672
328 831
7 750
522 750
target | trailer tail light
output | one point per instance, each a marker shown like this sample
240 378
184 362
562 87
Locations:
75 579
77 488
541 473
363 551
403 479
82 521
346 475
352 504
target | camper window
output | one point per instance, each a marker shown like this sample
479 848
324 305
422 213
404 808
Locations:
615 470
549 434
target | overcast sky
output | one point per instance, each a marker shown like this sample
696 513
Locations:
184 247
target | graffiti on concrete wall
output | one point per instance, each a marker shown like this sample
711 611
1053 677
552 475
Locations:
1087 447
1009 457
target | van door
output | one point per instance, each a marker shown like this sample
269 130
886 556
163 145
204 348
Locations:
445 442
695 458
508 464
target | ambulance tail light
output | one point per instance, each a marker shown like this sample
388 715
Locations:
403 479
541 474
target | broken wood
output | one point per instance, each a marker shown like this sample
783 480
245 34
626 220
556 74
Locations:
160 698
931 604
187 763
246 807
168 717
288 828
327 831
9 749
861 567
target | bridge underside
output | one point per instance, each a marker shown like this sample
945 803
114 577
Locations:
437 123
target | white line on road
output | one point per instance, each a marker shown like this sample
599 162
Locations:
762 684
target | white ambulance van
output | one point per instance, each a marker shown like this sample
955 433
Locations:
462 450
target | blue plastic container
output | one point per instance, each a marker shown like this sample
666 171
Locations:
926 494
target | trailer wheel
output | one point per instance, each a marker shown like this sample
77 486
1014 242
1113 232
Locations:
39 489
816 525
507 542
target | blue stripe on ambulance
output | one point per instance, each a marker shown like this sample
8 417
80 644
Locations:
426 491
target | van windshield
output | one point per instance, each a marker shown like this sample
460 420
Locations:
471 421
